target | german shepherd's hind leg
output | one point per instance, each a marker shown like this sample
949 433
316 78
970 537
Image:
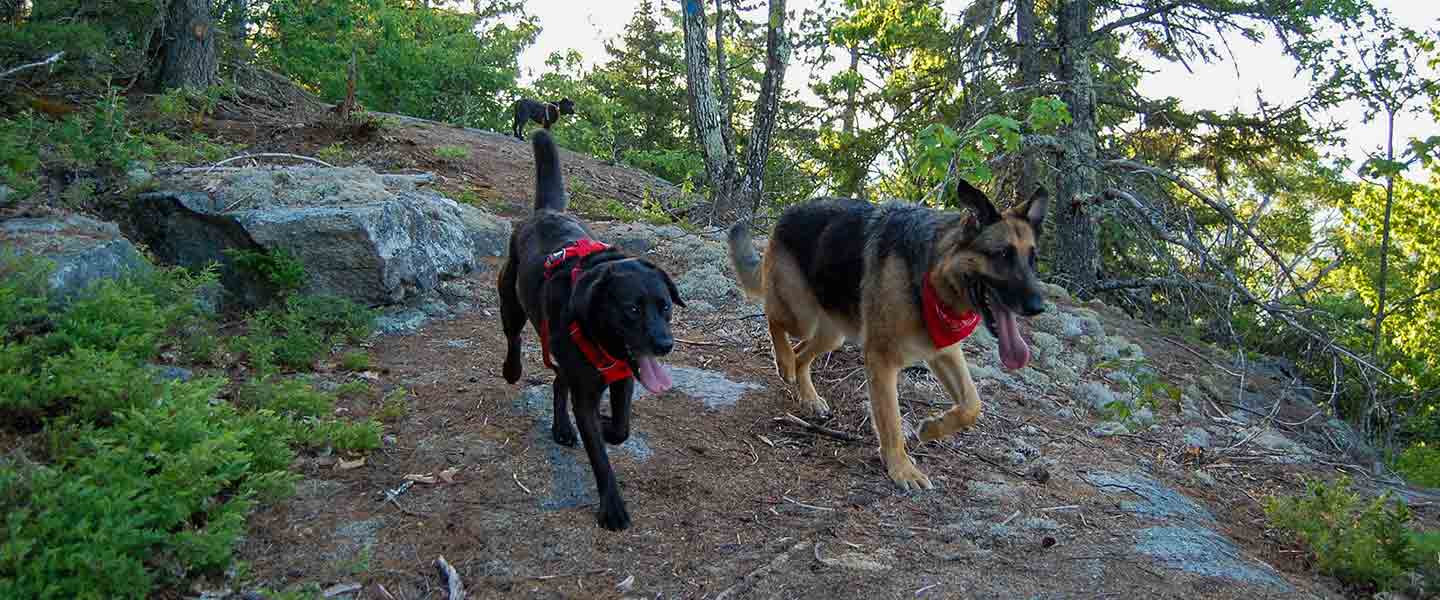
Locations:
954 374
811 349
512 319
885 412
784 354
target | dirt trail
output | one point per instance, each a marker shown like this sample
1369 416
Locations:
1028 504
1040 500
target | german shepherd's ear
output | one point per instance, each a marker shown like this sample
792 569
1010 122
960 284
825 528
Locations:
976 201
670 285
1033 210
586 289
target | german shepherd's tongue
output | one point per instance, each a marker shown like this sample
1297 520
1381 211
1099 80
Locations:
653 375
1013 351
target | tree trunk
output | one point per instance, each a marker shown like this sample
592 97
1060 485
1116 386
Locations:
239 25
1077 249
188 57
853 186
732 197
1384 239
777 57
1026 29
722 81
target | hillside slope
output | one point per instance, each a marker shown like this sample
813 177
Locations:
1084 478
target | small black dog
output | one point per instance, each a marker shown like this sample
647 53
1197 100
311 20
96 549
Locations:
603 318
544 113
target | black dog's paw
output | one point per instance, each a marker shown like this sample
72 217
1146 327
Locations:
612 434
563 434
613 515
513 368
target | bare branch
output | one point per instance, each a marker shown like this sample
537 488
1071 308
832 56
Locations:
1135 19
52 60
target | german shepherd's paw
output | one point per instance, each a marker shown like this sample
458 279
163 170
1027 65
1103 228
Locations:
563 434
818 407
932 429
906 476
613 515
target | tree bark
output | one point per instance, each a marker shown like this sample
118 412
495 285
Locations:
239 25
1026 28
1077 248
188 57
852 187
722 81
1384 239
733 197
777 57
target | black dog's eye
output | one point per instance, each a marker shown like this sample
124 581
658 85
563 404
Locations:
633 309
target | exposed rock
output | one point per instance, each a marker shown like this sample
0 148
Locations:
1108 428
706 282
1205 553
360 236
1094 395
1142 418
1196 437
82 250
1150 497
138 177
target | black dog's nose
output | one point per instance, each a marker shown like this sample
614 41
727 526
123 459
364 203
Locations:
1033 305
663 345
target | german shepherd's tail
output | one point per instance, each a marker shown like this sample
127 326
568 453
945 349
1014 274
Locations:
746 261
549 184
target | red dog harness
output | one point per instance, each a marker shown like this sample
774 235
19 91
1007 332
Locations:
611 369
946 328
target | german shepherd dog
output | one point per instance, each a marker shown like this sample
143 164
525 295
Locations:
603 320
544 113
839 269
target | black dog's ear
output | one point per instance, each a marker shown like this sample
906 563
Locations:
1033 210
975 199
670 285
586 290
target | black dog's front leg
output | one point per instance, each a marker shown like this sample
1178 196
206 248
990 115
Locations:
616 427
613 515
560 429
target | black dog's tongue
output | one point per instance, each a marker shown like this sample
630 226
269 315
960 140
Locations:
653 375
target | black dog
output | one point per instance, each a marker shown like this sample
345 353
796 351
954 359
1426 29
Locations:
603 318
544 113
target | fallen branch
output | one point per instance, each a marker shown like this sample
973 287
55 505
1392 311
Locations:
809 506
270 155
697 342
820 429
452 579
52 60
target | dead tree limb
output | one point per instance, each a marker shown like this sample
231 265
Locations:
49 61
820 429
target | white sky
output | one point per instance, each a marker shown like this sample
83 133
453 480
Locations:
1219 86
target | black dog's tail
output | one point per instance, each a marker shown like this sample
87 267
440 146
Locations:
549 184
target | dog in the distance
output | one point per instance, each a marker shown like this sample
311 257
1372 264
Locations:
544 113
907 283
603 320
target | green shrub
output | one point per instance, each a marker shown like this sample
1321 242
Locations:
452 153
1363 543
355 361
279 267
146 482
160 496
301 330
1420 464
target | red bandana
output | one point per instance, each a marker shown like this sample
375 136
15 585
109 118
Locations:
611 370
946 328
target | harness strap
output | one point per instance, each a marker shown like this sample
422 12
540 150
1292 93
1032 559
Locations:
610 368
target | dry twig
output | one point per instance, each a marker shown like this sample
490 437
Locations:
53 58
820 429
453 584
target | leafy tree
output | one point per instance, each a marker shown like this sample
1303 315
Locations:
427 61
